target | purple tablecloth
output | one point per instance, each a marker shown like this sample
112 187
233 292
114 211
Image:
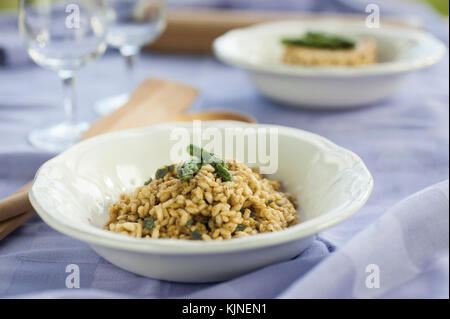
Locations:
404 141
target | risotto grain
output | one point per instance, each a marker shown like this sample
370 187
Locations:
204 207
320 49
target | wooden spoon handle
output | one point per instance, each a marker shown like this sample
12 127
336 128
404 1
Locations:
215 115
18 203
7 226
14 205
155 100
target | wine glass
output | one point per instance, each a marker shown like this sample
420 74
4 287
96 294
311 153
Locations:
62 36
132 24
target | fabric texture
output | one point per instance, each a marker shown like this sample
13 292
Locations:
404 141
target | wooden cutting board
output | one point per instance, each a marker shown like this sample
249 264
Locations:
194 30
155 100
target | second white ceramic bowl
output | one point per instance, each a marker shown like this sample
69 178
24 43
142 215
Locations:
72 192
258 51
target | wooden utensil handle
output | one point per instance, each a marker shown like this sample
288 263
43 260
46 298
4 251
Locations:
14 205
155 100
7 226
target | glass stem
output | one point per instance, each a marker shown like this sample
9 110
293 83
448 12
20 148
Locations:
68 79
130 55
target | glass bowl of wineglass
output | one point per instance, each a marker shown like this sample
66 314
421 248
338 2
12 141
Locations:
132 24
63 36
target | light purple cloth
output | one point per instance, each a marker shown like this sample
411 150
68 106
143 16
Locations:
404 142
408 246
415 265
12 51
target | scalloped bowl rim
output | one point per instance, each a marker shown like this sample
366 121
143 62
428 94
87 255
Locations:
100 237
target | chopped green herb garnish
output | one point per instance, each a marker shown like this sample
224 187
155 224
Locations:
209 158
242 210
205 156
223 172
269 202
252 214
320 40
196 234
149 223
160 173
189 223
240 227
148 181
170 168
188 169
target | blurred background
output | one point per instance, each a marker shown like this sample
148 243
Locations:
442 6
439 5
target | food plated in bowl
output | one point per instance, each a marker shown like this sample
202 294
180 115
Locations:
309 83
73 192
318 48
203 198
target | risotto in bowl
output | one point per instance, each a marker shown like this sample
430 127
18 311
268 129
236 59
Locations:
173 210
204 198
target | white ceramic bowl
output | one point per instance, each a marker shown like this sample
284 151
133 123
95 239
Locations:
72 191
258 50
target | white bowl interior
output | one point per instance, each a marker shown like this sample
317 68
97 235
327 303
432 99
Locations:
76 187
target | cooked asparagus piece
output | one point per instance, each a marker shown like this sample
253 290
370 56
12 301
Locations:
188 169
209 158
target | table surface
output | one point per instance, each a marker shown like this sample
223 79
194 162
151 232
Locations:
404 140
